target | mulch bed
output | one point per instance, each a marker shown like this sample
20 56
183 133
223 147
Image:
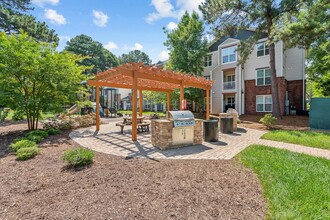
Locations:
291 122
115 188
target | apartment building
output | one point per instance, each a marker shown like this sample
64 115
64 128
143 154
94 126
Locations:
246 87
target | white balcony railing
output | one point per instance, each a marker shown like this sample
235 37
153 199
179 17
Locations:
229 85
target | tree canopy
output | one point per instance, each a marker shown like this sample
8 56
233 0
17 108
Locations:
13 19
310 28
35 78
187 45
135 56
188 48
95 54
227 17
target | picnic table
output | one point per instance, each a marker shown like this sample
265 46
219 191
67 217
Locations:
142 126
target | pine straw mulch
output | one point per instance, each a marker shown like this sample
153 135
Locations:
115 188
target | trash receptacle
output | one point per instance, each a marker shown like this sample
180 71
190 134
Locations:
210 130
226 125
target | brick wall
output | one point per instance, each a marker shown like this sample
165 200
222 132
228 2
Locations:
295 94
251 91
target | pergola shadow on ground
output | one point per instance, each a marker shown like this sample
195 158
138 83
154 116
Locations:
138 77
109 140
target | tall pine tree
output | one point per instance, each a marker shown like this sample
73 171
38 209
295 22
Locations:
227 17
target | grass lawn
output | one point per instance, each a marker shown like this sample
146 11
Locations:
43 115
306 138
144 113
296 186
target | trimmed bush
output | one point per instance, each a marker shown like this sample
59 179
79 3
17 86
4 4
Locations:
36 135
22 144
53 131
20 139
78 157
40 133
268 120
27 153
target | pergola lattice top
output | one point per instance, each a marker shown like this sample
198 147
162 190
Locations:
148 78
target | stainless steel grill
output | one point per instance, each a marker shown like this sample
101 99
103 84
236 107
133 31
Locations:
182 118
183 127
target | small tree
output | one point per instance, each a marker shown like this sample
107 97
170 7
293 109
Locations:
35 78
188 48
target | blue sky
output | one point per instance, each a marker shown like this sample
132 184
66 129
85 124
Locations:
120 25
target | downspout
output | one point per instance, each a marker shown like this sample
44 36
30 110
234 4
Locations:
211 78
303 78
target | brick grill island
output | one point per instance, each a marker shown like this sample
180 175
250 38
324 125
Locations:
164 133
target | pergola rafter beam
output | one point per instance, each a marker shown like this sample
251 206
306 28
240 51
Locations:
138 77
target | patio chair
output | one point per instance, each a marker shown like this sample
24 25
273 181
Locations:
113 111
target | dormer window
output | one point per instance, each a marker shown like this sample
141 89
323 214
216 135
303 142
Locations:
262 49
228 54
208 60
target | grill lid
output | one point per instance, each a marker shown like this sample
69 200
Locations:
182 118
177 115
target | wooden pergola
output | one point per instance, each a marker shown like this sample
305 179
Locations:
137 76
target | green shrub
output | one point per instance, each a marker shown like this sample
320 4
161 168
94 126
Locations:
22 144
27 153
78 157
4 112
40 133
268 120
53 131
17 116
36 135
20 139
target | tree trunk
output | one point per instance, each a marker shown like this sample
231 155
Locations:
275 96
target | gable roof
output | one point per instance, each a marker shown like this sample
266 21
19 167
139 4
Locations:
241 35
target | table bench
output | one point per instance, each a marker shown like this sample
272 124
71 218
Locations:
141 127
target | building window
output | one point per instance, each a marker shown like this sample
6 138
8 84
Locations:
262 49
263 77
208 60
228 54
264 103
207 77
228 82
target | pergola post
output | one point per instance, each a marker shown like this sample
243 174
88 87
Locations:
168 95
141 101
97 97
134 107
181 96
207 104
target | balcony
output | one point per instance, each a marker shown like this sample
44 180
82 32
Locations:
229 85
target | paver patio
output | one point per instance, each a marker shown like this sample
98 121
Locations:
109 140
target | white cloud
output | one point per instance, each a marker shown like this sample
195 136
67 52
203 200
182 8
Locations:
41 3
137 46
164 9
100 19
189 5
164 55
64 38
172 26
209 37
110 46
54 17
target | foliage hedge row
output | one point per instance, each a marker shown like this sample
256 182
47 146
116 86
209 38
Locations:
26 147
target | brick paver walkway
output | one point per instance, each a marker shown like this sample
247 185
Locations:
109 140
